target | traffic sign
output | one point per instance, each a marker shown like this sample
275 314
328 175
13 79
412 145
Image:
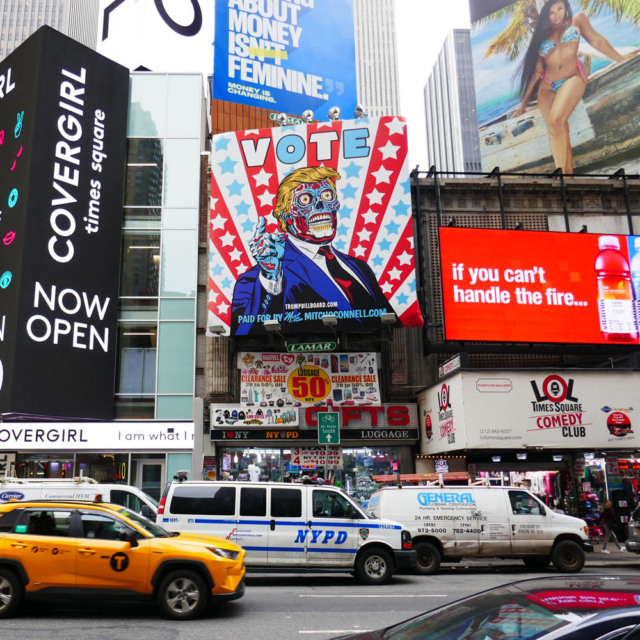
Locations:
328 428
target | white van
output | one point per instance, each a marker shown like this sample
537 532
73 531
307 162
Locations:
290 526
448 523
79 488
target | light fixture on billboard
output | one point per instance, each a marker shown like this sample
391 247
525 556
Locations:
281 119
307 116
496 458
271 326
334 113
521 456
329 320
583 229
216 329
589 455
388 318
360 112
519 226
557 458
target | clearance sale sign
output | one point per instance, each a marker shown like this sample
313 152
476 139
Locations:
529 286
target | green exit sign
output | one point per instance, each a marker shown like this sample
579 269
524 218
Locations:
328 428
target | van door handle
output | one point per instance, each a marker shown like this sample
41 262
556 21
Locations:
19 545
309 524
513 528
272 525
87 551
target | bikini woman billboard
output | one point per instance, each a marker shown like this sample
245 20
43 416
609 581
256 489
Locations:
579 78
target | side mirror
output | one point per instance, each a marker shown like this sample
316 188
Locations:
148 512
351 512
130 537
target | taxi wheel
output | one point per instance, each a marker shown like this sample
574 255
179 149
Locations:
10 593
427 558
567 556
374 566
183 595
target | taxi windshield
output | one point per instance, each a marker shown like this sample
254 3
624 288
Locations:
151 528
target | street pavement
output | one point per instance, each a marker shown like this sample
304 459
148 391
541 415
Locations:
612 559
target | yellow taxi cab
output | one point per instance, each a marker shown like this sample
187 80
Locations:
97 549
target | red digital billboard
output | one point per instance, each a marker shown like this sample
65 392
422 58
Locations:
531 286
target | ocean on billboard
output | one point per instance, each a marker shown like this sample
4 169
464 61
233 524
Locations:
345 187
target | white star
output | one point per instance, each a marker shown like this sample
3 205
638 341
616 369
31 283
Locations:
395 126
382 174
359 251
262 178
404 258
386 287
213 202
218 222
227 239
235 255
266 199
389 151
394 274
364 235
370 217
375 197
411 241
213 296
223 307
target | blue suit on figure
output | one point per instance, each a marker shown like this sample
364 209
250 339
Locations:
302 273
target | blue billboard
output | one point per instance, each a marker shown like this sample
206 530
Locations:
286 56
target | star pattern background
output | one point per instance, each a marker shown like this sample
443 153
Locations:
374 220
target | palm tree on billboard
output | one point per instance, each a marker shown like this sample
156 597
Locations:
514 39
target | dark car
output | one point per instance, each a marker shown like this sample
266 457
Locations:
575 607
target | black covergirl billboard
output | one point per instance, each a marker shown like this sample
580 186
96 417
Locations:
63 111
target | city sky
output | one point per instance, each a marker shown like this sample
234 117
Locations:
422 27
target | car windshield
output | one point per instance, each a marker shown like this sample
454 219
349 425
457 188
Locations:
502 615
150 527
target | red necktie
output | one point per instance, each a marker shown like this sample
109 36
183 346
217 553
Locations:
355 292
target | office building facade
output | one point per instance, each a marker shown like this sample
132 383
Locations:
20 18
376 57
450 107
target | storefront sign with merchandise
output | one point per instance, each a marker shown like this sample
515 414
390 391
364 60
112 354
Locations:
312 457
562 409
272 380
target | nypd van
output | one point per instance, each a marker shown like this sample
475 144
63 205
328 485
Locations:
79 488
296 526
448 523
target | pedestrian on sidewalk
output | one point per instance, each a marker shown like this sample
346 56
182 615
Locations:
609 521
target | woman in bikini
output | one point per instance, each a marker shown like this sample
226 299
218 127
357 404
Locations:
552 62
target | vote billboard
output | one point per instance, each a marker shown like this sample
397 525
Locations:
599 73
532 286
311 221
63 111
286 56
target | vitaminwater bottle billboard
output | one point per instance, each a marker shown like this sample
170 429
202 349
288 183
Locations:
530 286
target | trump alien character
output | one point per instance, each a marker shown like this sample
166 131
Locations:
298 275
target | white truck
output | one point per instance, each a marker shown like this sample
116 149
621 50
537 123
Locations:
292 526
78 488
448 523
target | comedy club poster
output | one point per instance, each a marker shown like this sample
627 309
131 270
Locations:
308 221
